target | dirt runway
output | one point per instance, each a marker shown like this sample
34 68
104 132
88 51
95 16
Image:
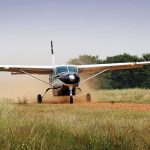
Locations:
123 106
109 105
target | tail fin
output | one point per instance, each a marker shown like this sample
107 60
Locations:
52 52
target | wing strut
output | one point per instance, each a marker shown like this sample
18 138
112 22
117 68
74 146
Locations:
94 75
35 77
83 93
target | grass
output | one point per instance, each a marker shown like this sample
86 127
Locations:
72 127
23 100
124 95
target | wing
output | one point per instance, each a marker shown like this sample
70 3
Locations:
112 66
17 69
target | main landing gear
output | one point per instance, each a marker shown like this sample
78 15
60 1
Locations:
71 98
88 97
40 97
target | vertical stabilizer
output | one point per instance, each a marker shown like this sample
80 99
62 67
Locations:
52 52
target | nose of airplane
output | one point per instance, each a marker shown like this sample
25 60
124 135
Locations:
72 77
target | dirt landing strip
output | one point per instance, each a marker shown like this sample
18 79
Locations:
111 105
124 106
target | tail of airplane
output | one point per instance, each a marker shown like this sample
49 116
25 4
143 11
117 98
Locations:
52 52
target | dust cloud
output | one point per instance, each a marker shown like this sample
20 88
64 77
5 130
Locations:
87 87
16 87
12 87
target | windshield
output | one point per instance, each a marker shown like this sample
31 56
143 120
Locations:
72 69
66 69
61 69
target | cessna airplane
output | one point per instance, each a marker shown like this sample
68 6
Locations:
64 79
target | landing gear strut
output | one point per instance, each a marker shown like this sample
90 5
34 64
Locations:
71 99
71 96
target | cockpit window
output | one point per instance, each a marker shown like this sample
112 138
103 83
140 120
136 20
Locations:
61 69
66 69
72 69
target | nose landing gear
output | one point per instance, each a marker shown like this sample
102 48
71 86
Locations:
40 97
71 99
71 95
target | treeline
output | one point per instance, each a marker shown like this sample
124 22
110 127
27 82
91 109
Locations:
119 79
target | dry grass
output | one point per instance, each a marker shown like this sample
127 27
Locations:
65 126
124 95
23 100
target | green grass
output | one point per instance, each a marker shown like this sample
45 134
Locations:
124 95
67 127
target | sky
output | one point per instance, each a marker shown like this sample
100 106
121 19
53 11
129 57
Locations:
76 27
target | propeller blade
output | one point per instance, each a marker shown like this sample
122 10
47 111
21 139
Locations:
52 48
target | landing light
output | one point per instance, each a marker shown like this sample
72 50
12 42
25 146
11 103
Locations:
71 77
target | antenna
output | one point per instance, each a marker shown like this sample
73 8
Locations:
52 52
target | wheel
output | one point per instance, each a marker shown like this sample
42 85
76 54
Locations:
39 98
71 99
88 97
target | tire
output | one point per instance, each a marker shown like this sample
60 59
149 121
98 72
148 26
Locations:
39 98
88 97
71 99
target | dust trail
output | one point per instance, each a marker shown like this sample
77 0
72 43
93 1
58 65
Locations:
21 86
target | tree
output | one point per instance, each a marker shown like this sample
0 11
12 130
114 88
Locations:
128 78
85 59
146 72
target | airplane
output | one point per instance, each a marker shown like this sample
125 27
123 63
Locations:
64 80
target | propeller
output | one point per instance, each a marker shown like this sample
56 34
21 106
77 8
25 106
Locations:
52 48
52 52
